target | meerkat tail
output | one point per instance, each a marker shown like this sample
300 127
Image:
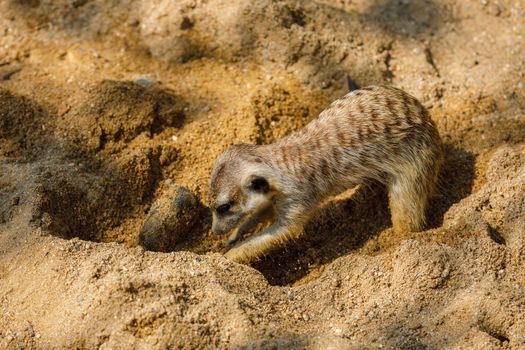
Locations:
352 85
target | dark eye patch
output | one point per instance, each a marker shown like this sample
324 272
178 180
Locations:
260 184
224 208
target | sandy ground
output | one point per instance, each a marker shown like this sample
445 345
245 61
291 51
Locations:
108 107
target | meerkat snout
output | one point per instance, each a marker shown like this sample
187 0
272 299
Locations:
376 133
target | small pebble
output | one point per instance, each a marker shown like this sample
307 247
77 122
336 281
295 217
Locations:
133 22
144 81
326 84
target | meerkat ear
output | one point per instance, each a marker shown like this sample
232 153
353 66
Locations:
259 184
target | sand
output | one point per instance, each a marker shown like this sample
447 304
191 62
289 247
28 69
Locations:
108 110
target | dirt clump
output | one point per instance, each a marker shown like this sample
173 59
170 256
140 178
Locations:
169 219
116 112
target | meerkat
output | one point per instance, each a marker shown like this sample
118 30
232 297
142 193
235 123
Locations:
375 133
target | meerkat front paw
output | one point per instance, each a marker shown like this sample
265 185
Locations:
247 251
238 255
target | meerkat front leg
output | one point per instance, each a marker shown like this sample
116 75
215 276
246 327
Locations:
257 245
249 224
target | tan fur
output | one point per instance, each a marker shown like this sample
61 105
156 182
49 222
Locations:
378 133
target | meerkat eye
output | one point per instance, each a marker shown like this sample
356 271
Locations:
224 208
259 184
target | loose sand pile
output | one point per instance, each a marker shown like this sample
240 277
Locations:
112 114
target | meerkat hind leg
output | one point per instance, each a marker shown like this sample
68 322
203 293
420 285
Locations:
249 224
258 244
408 198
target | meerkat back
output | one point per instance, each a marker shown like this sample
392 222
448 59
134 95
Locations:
379 133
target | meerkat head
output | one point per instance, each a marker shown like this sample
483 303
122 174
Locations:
240 186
